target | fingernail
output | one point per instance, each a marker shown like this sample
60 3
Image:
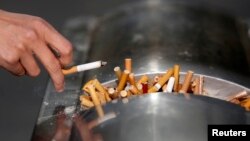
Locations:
62 88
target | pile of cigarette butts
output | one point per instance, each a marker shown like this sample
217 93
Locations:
95 94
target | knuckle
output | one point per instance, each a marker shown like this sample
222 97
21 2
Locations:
68 49
30 35
11 58
20 47
19 71
39 22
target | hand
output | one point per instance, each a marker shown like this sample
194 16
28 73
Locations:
22 37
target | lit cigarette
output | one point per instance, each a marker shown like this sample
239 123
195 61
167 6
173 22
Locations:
100 88
186 82
86 102
176 77
84 67
128 64
123 80
170 84
118 72
161 81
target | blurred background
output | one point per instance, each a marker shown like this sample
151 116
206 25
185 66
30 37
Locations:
21 97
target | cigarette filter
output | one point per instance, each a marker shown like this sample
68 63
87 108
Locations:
84 67
201 81
93 95
123 80
197 86
128 64
143 79
161 81
186 82
100 88
118 72
176 77
86 102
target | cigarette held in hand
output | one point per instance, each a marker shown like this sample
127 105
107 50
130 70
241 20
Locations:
84 67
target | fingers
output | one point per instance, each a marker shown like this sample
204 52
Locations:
55 40
10 61
30 64
60 44
51 64
14 68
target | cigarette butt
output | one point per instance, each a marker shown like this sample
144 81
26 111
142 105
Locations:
197 86
201 81
93 95
139 87
238 95
100 88
235 101
247 104
134 89
84 67
164 88
86 102
86 85
123 80
143 79
156 79
176 77
123 93
99 110
128 64
118 72
161 81
131 79
170 84
145 87
186 82
101 96
111 91
85 96
129 93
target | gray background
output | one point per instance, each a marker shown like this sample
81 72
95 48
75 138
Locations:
21 97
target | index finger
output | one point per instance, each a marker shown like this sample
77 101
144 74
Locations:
55 40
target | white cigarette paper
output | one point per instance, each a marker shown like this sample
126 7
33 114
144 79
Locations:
170 85
89 66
